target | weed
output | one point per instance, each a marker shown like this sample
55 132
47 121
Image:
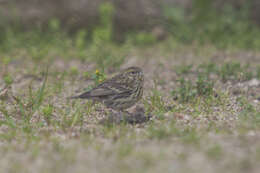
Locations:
47 113
59 84
26 108
204 87
6 60
183 69
9 121
98 77
154 103
249 116
74 71
80 40
229 71
185 92
8 79
207 68
142 38
86 75
54 25
71 118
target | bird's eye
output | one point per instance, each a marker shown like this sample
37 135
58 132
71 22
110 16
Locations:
132 72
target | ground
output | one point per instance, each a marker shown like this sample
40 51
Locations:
203 103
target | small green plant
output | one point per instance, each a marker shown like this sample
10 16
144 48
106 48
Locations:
8 79
59 84
204 87
72 118
77 118
38 53
98 77
8 118
6 61
187 91
80 40
54 25
208 68
249 116
74 71
246 73
235 71
156 104
144 38
28 106
86 75
229 71
47 113
183 69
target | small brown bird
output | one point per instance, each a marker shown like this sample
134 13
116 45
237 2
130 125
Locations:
120 92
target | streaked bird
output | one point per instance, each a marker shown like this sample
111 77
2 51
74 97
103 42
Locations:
120 92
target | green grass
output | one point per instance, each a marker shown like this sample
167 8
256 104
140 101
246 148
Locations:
187 91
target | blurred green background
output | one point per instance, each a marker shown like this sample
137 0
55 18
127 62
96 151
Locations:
85 28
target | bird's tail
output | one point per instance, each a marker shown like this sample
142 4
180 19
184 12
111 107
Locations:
81 96
73 97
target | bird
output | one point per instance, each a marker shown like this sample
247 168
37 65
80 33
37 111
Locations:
120 92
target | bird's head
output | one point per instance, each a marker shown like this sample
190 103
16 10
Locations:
134 73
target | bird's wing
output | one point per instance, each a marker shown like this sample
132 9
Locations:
103 90
108 89
96 92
